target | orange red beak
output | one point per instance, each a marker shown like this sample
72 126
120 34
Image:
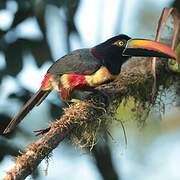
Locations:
148 48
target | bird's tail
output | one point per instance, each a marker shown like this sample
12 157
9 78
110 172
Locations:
36 99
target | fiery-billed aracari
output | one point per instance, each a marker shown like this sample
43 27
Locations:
88 68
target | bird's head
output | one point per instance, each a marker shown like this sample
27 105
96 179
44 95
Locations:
116 50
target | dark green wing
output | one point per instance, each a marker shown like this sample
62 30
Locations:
79 62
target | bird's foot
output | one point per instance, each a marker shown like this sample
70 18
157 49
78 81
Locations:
41 131
103 94
99 108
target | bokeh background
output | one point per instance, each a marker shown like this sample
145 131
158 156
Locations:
33 34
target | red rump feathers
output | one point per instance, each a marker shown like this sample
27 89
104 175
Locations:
45 81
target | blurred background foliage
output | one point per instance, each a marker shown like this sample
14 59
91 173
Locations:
33 34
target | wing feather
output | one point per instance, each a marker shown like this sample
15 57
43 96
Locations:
79 62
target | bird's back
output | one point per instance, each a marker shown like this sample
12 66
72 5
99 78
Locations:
80 61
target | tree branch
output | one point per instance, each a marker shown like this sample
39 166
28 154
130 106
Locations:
36 152
131 79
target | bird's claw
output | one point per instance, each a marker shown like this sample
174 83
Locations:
103 94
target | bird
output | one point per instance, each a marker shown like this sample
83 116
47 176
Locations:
87 68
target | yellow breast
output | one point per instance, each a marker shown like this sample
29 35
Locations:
99 77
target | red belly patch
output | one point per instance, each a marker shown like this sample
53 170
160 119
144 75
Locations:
77 81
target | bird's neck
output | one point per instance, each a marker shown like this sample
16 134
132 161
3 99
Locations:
97 53
111 57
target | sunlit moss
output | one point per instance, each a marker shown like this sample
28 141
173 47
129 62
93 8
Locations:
172 64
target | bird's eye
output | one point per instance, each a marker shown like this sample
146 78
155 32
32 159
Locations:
121 43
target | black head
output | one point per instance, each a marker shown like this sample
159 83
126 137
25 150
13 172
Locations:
113 41
110 52
116 50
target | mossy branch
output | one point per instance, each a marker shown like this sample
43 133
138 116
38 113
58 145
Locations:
36 152
135 79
